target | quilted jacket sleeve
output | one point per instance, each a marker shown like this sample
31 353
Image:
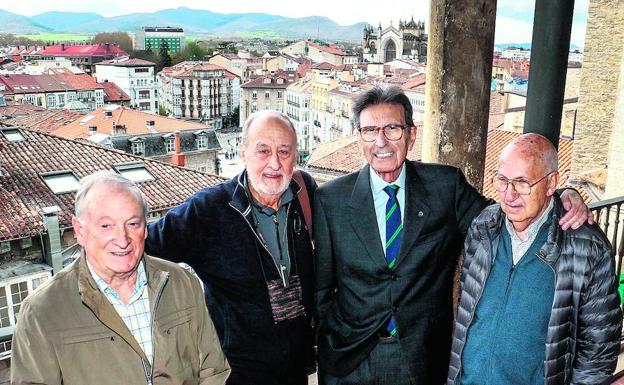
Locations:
600 322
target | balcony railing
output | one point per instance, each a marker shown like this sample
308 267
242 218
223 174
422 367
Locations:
293 103
610 217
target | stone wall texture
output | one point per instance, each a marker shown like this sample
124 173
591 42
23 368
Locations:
601 76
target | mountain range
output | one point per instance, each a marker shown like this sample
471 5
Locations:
194 21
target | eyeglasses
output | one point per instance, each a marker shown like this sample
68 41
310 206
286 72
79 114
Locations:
522 187
392 132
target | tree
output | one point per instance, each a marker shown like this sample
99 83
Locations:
122 39
165 58
232 120
195 52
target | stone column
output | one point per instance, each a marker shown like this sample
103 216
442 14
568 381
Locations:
459 69
601 77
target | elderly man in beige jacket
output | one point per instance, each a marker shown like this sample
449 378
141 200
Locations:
116 315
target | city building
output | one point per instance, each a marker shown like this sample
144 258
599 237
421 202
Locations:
37 202
53 90
319 51
323 80
153 38
515 53
149 135
115 95
415 91
383 45
199 91
135 77
84 57
297 108
265 93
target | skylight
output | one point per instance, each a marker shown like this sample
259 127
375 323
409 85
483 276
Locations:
13 135
136 172
61 182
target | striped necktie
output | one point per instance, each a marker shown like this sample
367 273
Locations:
394 235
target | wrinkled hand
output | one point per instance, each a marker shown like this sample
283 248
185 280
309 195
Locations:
577 212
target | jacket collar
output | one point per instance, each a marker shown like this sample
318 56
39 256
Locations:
241 199
492 224
363 212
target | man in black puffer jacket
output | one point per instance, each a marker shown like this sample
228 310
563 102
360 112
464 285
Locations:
538 305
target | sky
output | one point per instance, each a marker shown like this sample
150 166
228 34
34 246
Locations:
514 17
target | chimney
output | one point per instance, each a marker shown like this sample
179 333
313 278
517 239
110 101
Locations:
150 126
177 158
119 129
53 252
108 114
92 129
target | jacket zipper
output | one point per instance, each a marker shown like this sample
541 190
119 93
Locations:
258 237
149 368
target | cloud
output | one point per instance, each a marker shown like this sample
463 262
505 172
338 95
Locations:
510 30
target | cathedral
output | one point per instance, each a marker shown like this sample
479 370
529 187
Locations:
408 41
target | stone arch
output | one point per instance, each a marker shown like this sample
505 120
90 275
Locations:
390 51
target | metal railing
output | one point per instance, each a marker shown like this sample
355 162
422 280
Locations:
609 215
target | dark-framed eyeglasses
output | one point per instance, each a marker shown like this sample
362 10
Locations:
392 132
522 187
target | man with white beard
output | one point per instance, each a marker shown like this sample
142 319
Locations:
248 241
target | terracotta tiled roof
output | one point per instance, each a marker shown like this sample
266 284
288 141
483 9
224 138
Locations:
23 193
498 139
79 81
112 93
59 81
329 49
40 119
83 50
414 82
344 156
135 122
323 66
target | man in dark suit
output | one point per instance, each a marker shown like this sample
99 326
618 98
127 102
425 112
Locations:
387 242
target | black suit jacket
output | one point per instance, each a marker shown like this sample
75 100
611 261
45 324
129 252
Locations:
355 291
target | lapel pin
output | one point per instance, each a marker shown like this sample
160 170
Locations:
420 214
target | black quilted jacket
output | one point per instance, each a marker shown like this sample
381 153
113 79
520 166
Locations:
583 337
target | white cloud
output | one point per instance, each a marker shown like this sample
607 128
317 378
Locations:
510 30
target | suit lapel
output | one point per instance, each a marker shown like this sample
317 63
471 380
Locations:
416 210
363 217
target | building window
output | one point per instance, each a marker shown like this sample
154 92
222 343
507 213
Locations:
279 94
137 70
138 148
254 94
5 320
144 94
61 182
136 172
13 293
170 145
144 106
202 142
267 94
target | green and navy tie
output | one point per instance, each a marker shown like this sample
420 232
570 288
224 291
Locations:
394 234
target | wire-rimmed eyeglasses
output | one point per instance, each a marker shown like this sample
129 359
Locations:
522 187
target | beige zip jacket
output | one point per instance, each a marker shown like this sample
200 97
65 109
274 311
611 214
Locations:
68 333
